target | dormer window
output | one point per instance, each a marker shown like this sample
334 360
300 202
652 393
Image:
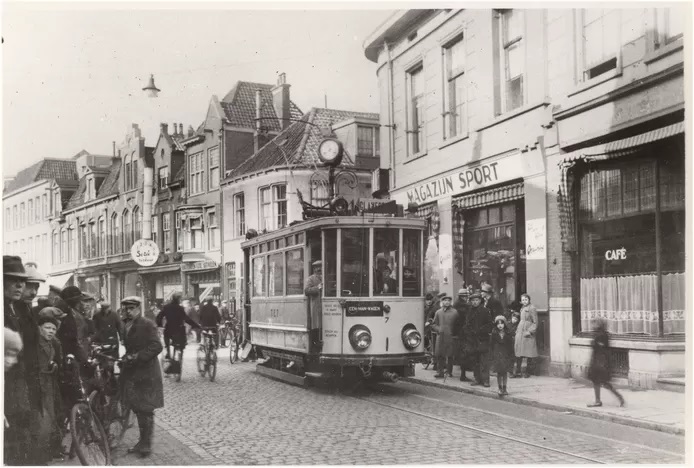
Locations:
368 141
90 192
163 177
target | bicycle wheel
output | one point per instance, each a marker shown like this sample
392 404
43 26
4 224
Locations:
212 364
89 437
225 338
202 361
233 349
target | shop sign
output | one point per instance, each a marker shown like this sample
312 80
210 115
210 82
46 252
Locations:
616 254
145 252
201 265
467 179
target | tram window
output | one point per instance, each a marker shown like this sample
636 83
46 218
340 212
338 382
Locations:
290 240
386 261
276 274
279 243
330 263
263 247
411 263
355 262
300 239
314 247
295 271
259 276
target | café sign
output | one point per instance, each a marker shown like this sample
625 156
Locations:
466 180
202 265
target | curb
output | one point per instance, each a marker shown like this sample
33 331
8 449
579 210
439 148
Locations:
549 406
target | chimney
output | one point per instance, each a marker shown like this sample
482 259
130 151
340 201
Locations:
256 134
164 128
191 131
280 99
180 130
114 148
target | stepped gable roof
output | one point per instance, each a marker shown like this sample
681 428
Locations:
298 144
107 188
63 171
239 106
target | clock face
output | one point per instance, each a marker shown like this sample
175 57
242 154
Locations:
329 149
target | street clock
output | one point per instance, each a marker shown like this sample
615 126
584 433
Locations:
330 151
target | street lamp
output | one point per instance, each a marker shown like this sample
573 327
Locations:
152 91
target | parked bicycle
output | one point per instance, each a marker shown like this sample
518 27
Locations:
207 355
89 438
229 337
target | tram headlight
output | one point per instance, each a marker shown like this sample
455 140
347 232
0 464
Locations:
411 338
360 337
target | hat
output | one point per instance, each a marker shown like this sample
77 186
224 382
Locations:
33 273
52 312
131 300
429 297
500 318
12 266
446 296
71 293
463 292
12 340
317 263
486 287
476 295
55 289
440 295
47 319
88 297
381 257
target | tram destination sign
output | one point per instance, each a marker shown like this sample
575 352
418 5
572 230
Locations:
364 309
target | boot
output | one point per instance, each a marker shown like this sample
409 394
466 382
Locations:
146 448
141 423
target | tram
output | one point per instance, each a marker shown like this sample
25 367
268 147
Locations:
367 319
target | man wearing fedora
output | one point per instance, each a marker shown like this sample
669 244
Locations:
74 330
141 375
491 302
478 328
18 408
313 288
31 288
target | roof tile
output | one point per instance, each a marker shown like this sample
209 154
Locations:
64 171
239 106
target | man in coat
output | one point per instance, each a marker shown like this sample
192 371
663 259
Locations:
141 374
478 327
210 318
314 290
492 303
109 329
462 305
17 435
446 325
173 318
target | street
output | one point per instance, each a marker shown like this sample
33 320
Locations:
246 419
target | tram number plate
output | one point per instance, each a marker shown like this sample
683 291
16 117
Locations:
364 309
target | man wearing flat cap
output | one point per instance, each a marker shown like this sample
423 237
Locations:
478 328
141 374
462 305
314 290
17 437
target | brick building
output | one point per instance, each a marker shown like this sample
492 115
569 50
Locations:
487 113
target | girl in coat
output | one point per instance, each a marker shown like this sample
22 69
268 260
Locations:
600 372
525 343
501 352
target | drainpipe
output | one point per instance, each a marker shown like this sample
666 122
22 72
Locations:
391 118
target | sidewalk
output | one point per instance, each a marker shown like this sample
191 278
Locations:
658 410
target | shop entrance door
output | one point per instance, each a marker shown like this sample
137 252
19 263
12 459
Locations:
494 250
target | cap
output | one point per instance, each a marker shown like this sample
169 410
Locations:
486 287
440 295
476 295
33 274
446 296
463 292
12 266
47 319
317 263
429 297
500 318
131 300
71 293
52 312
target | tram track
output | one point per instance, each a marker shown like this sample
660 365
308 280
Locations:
625 447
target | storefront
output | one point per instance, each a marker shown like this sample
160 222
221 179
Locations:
94 285
203 280
623 216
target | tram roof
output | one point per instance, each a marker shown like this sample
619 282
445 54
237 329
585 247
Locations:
338 221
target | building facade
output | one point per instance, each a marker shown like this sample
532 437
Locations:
484 114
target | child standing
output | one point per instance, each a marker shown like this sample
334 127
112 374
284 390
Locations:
515 318
501 352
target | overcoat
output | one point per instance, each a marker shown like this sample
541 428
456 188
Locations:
600 370
312 290
45 424
526 343
495 307
446 324
478 326
501 352
144 389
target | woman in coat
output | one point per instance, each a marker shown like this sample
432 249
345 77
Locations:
600 372
446 325
526 343
141 374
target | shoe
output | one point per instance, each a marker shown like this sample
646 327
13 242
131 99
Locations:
622 403
512 376
526 375
439 376
486 384
463 378
501 393
474 384
594 405
504 391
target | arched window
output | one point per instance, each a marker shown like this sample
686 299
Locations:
115 234
56 248
63 246
84 242
70 244
92 240
127 231
102 236
137 224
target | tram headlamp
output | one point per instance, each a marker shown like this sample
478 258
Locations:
360 337
411 338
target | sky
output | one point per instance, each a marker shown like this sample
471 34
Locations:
73 73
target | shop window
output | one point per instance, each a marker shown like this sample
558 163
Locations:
295 271
415 101
455 122
620 227
276 274
259 276
355 262
385 261
330 263
411 263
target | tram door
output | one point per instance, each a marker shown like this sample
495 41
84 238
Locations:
245 299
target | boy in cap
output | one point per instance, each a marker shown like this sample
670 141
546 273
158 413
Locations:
141 374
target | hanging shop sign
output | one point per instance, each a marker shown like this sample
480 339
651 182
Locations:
467 180
145 252
201 265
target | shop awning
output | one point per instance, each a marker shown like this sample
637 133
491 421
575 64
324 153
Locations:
611 150
490 197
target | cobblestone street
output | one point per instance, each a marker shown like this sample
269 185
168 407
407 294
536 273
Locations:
246 419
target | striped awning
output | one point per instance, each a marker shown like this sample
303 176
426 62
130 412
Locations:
490 197
611 150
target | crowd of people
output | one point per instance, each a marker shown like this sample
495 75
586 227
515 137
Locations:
476 333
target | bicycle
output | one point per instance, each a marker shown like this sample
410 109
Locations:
89 439
174 365
230 338
207 355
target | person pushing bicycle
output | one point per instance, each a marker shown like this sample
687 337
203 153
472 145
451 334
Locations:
210 318
175 318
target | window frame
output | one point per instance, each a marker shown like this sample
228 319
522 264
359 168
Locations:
505 45
414 103
213 230
239 214
275 202
163 182
374 144
166 229
196 171
584 68
450 78
213 182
